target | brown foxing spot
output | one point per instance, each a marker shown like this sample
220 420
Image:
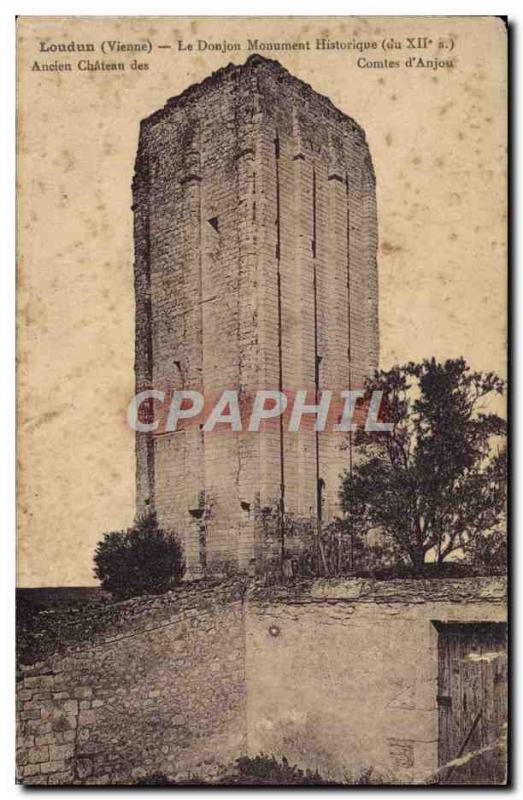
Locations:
387 248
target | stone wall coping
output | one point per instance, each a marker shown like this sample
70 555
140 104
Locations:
491 589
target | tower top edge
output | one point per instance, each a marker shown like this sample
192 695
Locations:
254 62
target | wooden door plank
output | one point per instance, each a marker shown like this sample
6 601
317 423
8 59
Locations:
472 671
444 708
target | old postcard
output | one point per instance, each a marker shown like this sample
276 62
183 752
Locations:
262 366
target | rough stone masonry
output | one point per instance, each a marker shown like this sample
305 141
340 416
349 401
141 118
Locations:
339 675
255 268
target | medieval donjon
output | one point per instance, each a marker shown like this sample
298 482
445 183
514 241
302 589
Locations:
255 267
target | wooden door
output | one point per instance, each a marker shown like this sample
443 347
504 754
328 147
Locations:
472 701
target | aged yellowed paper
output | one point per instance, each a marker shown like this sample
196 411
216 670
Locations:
262 328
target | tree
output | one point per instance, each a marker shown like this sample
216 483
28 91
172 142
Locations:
436 482
144 559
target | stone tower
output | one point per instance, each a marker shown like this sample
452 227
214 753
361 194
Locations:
255 267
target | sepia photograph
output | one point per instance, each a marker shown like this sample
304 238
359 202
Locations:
262 365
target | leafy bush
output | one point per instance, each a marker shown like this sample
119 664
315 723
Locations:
262 770
369 777
340 553
143 559
268 770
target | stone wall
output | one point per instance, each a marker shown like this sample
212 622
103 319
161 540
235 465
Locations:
342 676
339 676
255 268
155 685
